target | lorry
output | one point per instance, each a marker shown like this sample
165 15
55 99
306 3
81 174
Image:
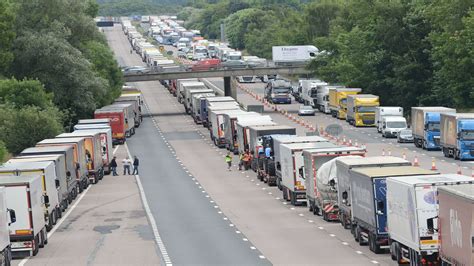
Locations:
276 142
51 185
180 88
24 194
338 101
369 202
129 115
322 97
67 182
94 121
291 161
412 215
256 143
230 128
74 151
278 91
308 93
457 135
219 107
187 87
105 134
320 187
188 102
7 217
215 101
243 131
218 129
93 152
361 109
199 106
385 111
293 55
344 165
117 123
425 122
133 99
456 224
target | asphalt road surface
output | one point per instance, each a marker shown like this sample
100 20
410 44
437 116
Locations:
242 221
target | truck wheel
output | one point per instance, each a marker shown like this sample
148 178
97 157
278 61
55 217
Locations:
393 250
283 191
315 209
310 209
36 245
41 239
292 198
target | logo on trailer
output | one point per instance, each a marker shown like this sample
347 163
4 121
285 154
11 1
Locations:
455 229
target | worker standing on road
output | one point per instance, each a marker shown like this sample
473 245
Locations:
136 162
113 166
246 160
241 160
126 165
228 160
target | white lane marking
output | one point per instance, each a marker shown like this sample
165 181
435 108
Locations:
374 262
345 243
58 224
359 252
262 257
253 248
151 218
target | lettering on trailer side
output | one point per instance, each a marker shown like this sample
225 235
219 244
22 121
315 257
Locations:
455 229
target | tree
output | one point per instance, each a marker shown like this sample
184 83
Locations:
23 128
7 34
24 93
3 152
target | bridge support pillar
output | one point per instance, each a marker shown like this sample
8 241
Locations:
229 88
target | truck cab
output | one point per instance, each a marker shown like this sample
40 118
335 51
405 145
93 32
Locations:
426 126
278 91
392 125
361 109
457 135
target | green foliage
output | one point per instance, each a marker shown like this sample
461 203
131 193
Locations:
137 7
23 128
24 93
7 34
3 152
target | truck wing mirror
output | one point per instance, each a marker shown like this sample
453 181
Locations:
430 225
46 200
458 135
57 183
12 216
332 183
380 207
344 197
301 171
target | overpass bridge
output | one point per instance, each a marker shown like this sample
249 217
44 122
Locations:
224 73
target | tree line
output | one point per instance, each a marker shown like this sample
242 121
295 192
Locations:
55 68
410 53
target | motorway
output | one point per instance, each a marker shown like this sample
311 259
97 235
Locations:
207 215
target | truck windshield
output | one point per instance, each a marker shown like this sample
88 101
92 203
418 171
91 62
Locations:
343 102
314 93
281 90
467 135
366 109
396 124
434 126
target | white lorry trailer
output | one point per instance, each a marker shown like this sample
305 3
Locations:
322 202
24 194
347 163
293 55
180 88
51 185
217 125
425 123
230 128
292 177
309 92
412 215
322 97
243 131
105 133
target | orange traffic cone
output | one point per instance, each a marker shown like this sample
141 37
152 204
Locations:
433 165
389 152
415 162
356 144
404 156
344 140
350 142
383 152
459 172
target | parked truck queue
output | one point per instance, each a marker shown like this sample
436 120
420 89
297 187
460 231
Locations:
38 185
339 182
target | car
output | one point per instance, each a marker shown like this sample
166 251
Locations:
206 64
405 136
135 70
238 64
306 110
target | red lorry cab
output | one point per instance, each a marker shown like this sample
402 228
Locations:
117 123
206 64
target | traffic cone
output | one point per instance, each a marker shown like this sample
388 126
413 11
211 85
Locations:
383 152
356 143
344 140
350 142
433 165
389 152
415 162
404 156
459 172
